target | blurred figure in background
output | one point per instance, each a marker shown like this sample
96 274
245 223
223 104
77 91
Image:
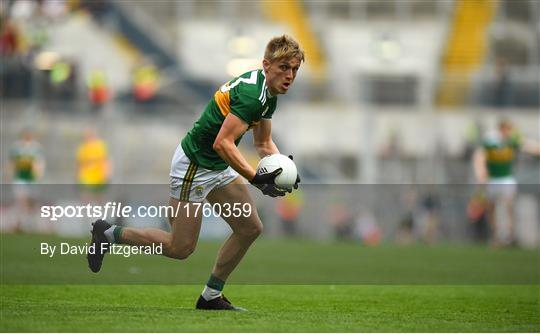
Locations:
477 215
98 88
9 37
93 166
430 205
341 220
493 165
145 83
289 208
367 229
27 166
407 224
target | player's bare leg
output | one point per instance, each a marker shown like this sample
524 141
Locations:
510 214
178 244
490 210
245 231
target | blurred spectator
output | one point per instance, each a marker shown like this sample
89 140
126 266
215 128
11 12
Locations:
367 229
33 23
406 226
62 83
145 83
477 215
98 88
93 166
27 166
9 38
341 220
429 217
289 208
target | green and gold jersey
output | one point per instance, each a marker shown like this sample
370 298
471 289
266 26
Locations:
246 97
25 156
500 155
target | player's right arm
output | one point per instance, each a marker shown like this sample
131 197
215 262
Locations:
224 145
231 129
479 165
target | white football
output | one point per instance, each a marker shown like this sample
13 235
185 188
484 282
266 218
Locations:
270 163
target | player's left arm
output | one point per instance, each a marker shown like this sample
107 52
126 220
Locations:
530 146
262 138
39 164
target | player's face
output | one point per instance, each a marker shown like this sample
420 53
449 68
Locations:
505 130
280 74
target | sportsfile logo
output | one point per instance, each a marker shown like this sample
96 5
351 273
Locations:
112 210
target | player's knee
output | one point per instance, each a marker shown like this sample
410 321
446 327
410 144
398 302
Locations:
182 252
252 231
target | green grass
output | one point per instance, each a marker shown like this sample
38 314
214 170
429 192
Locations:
342 308
279 262
297 286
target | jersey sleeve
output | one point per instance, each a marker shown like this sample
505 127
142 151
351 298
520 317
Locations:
271 108
246 108
516 140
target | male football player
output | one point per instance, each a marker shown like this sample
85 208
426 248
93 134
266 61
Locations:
27 165
208 165
493 166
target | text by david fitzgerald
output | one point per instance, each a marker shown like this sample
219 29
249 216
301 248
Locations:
65 248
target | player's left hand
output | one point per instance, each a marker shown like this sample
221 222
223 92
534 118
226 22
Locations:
297 175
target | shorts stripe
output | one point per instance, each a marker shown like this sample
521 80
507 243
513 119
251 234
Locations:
188 181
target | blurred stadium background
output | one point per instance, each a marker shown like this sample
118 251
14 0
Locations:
382 119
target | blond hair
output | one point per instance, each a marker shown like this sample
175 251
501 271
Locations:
283 47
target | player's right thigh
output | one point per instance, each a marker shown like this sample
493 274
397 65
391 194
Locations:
184 217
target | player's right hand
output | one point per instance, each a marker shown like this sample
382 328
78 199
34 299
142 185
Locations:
267 183
298 180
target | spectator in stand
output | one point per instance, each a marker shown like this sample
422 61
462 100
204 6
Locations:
9 38
289 208
98 88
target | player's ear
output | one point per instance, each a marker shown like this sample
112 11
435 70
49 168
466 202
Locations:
266 64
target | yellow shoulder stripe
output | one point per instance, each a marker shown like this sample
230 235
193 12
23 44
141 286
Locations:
223 101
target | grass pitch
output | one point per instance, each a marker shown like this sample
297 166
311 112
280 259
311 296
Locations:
301 286
342 308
